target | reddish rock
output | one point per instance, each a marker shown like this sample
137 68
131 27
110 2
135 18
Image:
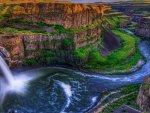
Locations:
66 14
14 45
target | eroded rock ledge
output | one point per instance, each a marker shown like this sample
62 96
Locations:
144 95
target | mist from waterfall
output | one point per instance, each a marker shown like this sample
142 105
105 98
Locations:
10 83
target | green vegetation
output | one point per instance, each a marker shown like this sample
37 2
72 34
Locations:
127 49
132 26
87 38
46 57
11 30
114 21
120 59
3 13
59 29
83 52
130 99
129 89
49 56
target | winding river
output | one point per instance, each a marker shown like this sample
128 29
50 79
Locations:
60 90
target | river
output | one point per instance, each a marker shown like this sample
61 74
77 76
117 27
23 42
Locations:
60 90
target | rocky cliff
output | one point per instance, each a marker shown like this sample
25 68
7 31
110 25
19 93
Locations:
49 32
143 28
65 14
13 48
144 95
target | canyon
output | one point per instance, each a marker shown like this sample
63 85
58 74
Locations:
80 36
60 29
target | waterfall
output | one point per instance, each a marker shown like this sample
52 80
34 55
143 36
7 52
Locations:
12 84
6 71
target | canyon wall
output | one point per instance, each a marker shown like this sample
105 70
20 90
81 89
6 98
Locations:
144 95
82 22
65 14
14 46
143 28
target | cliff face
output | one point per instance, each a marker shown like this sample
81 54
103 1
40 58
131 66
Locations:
33 46
144 95
14 49
143 28
65 14
45 39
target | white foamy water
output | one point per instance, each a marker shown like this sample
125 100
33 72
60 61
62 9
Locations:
94 99
68 92
6 71
127 31
10 83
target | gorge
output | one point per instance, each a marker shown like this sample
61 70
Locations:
65 57
78 88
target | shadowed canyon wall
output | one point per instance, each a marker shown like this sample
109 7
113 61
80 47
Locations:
143 28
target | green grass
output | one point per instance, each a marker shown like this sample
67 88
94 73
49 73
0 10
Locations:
132 26
11 30
114 21
1 18
60 29
79 55
83 52
130 88
120 59
128 100
127 49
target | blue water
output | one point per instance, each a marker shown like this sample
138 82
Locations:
60 90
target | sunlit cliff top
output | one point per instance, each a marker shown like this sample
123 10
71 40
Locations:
68 7
29 1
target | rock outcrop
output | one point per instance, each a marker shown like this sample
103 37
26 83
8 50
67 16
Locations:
143 28
66 14
15 47
44 22
144 95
